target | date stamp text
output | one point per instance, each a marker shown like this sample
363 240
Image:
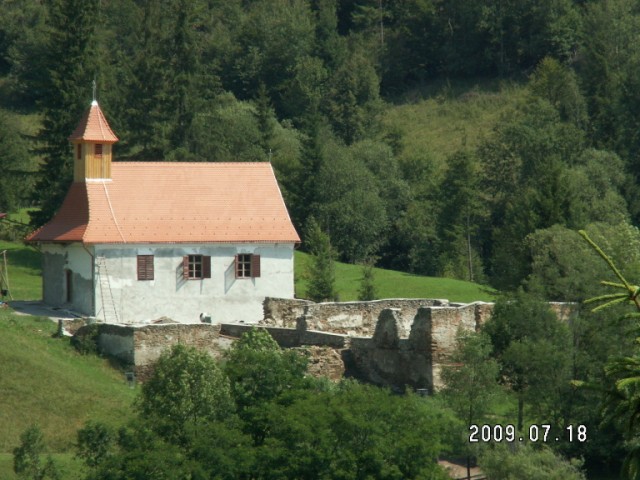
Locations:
542 433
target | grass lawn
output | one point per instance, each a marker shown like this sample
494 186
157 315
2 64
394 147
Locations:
44 381
69 467
392 284
24 266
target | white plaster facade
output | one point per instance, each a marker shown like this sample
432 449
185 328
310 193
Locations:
223 296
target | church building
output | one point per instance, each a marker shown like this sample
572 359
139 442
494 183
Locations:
137 241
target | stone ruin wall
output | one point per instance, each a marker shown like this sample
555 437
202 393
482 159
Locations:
347 318
139 347
395 343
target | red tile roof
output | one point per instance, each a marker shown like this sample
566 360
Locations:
149 202
93 127
73 214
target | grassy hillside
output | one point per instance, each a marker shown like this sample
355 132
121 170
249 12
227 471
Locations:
69 467
45 382
442 118
391 284
24 266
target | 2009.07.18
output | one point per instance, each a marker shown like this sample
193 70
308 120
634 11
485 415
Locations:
535 433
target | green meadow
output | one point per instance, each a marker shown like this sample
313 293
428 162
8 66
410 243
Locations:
393 284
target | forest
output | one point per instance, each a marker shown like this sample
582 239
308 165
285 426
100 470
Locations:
303 84
306 84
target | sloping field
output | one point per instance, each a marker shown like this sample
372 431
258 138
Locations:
442 119
392 284
44 381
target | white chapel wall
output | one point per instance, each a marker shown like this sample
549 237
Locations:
223 297
57 260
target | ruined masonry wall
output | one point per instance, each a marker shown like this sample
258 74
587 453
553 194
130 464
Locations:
347 318
117 341
140 347
151 341
403 345
395 342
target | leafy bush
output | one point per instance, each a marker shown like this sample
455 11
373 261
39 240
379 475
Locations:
85 340
527 463
26 457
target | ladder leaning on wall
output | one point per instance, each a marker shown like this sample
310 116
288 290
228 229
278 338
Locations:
109 312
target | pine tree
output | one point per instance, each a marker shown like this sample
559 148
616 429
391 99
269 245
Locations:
72 65
14 163
321 272
184 65
265 117
146 97
367 289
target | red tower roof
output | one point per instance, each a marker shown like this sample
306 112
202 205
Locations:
93 127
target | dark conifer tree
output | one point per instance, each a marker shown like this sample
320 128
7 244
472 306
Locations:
71 67
322 276
146 89
265 117
183 67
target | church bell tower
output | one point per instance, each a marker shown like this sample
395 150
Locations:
92 141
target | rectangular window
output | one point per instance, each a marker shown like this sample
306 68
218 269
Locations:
98 150
247 265
195 267
145 267
78 151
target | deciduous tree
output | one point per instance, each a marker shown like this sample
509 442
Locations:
187 388
27 463
471 381
533 348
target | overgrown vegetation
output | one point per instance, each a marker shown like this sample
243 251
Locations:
575 374
259 417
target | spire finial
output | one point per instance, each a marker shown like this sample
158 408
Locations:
94 102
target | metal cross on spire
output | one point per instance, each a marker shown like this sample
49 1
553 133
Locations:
94 92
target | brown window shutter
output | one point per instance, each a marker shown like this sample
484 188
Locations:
255 266
149 268
145 267
206 266
185 267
